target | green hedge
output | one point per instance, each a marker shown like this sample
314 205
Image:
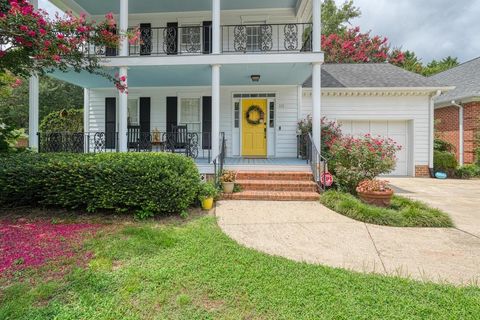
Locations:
146 184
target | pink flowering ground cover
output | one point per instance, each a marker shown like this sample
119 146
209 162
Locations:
30 244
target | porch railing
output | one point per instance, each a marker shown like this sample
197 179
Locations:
195 40
261 38
77 142
192 144
317 162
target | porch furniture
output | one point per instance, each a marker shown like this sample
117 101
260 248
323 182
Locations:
139 141
180 140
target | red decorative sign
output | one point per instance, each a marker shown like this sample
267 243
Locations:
326 179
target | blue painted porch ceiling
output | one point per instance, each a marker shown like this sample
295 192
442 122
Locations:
198 75
96 7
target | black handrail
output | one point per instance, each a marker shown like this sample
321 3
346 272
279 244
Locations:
318 163
219 161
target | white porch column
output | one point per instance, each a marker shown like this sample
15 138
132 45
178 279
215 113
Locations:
123 27
215 110
317 25
123 115
34 104
33 112
216 33
317 104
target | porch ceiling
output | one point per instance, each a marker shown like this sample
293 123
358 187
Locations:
198 75
96 7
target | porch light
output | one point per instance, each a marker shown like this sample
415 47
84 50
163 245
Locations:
255 77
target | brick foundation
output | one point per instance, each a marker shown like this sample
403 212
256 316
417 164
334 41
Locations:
422 172
447 128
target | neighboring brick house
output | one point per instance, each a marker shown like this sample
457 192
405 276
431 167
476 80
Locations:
458 111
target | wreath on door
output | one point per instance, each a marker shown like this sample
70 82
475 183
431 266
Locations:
252 110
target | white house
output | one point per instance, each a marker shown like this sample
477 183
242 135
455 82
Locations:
233 78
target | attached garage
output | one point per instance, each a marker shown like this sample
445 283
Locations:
398 131
382 100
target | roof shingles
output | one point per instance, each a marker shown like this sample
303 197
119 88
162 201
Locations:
371 75
465 78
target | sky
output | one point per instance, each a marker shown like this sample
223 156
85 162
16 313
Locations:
433 29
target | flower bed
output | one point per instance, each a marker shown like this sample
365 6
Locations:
402 212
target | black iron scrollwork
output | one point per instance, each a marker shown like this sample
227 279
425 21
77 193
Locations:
291 37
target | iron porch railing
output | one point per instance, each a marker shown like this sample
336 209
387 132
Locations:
317 162
197 40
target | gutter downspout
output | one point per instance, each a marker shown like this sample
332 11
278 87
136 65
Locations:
461 133
431 134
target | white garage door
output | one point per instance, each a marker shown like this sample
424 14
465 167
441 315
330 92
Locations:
395 130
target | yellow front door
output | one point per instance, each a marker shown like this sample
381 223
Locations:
254 128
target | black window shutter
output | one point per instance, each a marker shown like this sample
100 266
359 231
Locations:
145 107
146 39
111 52
207 123
171 113
171 38
110 122
207 37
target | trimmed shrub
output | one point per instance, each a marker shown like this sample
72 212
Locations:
444 161
147 184
468 171
63 121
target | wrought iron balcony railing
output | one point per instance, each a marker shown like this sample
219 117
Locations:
262 38
196 40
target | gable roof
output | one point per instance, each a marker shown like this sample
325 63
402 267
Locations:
465 78
371 75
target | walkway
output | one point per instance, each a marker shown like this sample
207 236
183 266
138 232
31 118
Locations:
309 232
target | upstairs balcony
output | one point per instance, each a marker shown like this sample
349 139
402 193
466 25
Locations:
174 40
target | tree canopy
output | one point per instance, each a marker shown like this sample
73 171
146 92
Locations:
336 19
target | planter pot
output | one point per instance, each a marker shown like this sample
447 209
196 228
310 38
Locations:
228 187
377 198
207 204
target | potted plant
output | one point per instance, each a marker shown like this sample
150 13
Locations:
207 194
375 192
228 181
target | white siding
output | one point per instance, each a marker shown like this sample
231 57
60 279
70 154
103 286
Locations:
407 108
286 110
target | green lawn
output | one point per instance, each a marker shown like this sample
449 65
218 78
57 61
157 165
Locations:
403 212
191 270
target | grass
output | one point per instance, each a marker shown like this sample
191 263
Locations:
191 270
403 212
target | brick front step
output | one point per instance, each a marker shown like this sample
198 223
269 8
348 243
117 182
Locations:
273 196
279 175
277 185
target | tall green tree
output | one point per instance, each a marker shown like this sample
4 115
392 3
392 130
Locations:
55 95
435 66
337 18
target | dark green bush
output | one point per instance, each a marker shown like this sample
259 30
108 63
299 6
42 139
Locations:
146 183
468 171
444 161
443 146
63 121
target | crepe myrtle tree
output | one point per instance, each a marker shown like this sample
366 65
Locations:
353 46
32 43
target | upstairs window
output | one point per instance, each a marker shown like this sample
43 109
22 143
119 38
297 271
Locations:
191 39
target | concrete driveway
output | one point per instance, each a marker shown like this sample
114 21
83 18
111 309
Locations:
459 198
310 232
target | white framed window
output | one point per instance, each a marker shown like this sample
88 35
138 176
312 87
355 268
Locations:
191 38
133 112
254 35
190 113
